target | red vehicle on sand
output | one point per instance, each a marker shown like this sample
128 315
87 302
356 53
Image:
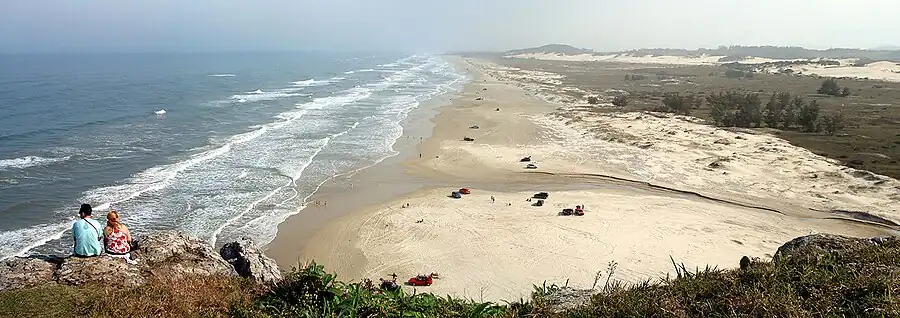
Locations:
578 210
420 280
465 191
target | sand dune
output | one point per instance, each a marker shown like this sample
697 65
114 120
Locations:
881 70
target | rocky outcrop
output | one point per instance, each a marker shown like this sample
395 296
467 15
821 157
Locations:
819 244
249 262
174 254
568 298
169 254
108 271
26 272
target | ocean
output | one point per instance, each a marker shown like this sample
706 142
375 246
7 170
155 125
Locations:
218 146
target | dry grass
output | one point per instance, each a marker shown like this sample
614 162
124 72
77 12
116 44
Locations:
160 297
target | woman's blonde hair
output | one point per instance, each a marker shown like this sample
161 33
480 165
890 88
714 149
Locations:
112 219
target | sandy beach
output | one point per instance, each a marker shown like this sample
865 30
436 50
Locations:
654 186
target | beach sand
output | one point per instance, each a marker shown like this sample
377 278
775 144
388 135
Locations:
655 186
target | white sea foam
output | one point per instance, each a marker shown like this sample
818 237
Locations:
315 82
28 162
250 182
222 75
260 95
14 245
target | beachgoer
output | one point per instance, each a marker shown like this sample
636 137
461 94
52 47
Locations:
86 232
492 199
420 156
116 236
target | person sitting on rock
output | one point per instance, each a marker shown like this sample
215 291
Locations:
116 236
86 233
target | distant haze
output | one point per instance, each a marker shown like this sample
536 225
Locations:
436 26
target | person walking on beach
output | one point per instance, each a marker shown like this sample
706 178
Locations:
492 199
86 234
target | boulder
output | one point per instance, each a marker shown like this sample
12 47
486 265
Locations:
819 244
174 253
104 270
22 272
250 262
568 298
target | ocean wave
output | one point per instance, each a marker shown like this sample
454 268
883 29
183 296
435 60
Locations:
251 181
29 161
222 75
260 95
13 244
315 82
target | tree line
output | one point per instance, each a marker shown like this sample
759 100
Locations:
740 109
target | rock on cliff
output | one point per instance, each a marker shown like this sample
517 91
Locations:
163 253
105 270
173 253
819 244
26 272
249 262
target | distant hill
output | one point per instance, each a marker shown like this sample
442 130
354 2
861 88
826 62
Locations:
551 48
733 53
775 52
886 47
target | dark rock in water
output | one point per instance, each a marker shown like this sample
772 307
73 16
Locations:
819 244
105 270
20 272
249 262
173 253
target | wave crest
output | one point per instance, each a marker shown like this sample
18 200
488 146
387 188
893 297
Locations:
29 161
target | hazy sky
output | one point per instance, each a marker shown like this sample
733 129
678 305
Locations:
435 26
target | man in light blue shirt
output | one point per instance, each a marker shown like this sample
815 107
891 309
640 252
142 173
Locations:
88 238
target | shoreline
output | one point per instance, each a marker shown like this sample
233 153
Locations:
514 244
347 193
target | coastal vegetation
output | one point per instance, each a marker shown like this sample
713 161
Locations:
858 130
816 276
